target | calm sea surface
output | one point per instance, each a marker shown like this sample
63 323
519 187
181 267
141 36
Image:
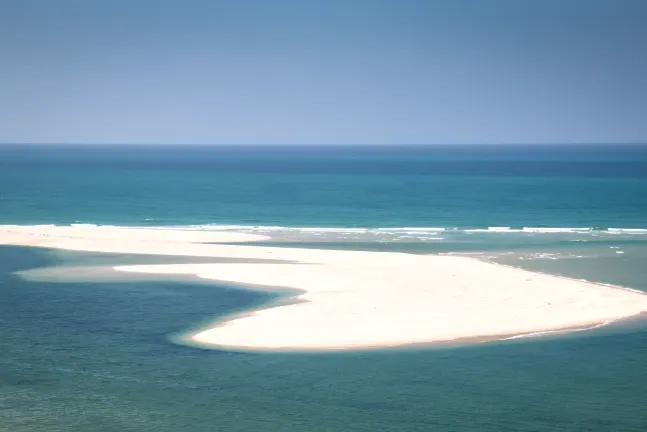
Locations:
96 354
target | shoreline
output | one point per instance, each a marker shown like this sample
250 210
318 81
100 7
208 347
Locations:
358 299
441 343
602 284
186 338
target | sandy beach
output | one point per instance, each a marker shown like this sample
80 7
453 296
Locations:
356 299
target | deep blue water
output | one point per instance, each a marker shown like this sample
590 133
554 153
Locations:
98 355
441 186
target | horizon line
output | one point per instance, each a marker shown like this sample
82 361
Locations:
319 144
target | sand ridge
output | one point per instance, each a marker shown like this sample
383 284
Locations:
357 299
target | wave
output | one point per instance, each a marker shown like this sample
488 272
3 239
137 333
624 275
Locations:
409 234
410 230
561 331
555 230
425 233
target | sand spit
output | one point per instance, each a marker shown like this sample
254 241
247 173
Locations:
359 299
51 235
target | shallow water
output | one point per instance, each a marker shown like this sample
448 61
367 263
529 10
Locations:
97 357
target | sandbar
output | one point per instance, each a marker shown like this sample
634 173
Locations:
357 299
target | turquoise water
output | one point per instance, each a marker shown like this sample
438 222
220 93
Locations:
97 354
96 357
415 186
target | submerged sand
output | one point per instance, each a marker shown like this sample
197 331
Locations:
355 299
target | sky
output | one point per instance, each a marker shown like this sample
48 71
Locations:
323 72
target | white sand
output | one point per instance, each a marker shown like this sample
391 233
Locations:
360 299
41 235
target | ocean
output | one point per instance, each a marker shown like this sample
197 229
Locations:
99 354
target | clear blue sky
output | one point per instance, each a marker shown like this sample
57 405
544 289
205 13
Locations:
323 71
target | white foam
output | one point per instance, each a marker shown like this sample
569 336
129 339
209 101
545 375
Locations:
495 230
412 229
421 232
543 333
555 230
333 230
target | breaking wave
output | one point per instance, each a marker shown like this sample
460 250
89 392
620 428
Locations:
402 234
409 230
